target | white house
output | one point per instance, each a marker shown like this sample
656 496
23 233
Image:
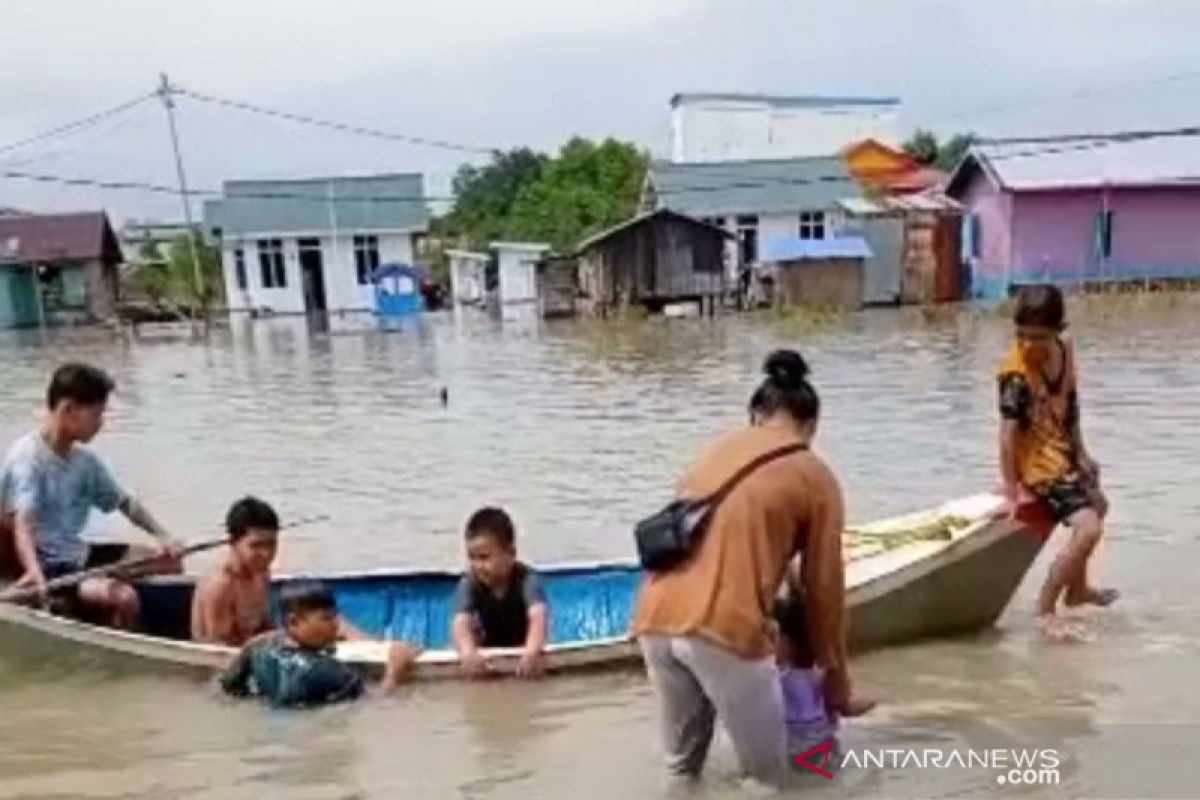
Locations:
468 279
733 127
312 245
755 201
516 267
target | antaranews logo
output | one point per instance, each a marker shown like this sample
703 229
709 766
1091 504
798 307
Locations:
1015 766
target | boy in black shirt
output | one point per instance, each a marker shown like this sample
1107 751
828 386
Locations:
499 602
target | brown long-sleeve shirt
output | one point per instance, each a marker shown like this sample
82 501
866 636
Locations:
725 591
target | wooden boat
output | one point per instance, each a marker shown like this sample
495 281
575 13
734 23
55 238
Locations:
946 571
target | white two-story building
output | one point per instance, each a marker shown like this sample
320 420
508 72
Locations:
312 245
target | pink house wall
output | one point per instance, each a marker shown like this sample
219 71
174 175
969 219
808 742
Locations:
1155 232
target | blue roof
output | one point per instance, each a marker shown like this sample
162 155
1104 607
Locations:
793 248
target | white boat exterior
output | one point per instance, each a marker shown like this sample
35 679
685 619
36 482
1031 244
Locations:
905 593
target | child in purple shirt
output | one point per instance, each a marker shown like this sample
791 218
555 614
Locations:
810 724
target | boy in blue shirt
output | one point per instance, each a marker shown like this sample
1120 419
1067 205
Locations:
296 667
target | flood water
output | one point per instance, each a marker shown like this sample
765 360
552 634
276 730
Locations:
580 429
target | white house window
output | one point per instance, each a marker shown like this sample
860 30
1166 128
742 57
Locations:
747 233
366 258
812 225
239 268
270 263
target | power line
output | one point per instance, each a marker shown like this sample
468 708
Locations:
337 126
1108 140
67 150
1079 94
155 188
76 124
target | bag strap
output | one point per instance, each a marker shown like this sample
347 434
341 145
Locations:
720 494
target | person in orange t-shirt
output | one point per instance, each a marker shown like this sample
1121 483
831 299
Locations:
1042 454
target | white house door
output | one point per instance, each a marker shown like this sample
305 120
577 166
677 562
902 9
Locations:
312 275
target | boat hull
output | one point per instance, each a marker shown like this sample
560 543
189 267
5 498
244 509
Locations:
955 585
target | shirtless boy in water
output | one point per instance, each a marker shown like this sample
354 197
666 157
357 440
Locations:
1042 454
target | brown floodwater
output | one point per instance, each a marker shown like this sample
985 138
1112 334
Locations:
580 429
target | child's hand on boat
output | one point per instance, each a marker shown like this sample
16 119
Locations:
531 665
473 664
400 658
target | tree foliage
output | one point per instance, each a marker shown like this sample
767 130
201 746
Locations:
560 199
175 282
927 149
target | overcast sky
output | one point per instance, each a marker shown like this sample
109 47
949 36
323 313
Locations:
537 71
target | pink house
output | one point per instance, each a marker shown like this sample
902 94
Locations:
1078 210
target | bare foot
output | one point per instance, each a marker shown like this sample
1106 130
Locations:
1093 597
1062 631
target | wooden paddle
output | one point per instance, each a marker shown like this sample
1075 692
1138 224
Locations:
24 595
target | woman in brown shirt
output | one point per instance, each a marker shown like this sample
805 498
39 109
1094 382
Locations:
704 626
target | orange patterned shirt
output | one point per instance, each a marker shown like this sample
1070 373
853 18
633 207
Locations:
1046 413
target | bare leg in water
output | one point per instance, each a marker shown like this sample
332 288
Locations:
1068 578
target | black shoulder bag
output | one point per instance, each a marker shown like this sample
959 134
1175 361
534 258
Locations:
666 539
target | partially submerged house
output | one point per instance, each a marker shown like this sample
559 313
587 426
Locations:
1078 211
914 242
57 268
313 245
823 274
654 260
755 200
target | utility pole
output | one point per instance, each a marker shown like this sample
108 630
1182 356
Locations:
166 95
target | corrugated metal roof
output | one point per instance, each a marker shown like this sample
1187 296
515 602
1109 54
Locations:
792 248
640 218
899 204
1084 163
372 203
58 237
752 187
782 101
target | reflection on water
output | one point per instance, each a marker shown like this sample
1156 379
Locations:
580 428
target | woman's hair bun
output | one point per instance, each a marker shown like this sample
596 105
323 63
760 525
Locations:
787 369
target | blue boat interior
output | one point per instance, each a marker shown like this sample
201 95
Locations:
585 603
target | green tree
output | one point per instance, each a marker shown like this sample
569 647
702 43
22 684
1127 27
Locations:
484 196
953 149
586 188
175 283
927 149
923 146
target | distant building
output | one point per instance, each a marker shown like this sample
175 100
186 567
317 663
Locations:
755 200
708 127
517 278
888 170
149 241
1079 211
654 260
57 268
822 274
312 245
